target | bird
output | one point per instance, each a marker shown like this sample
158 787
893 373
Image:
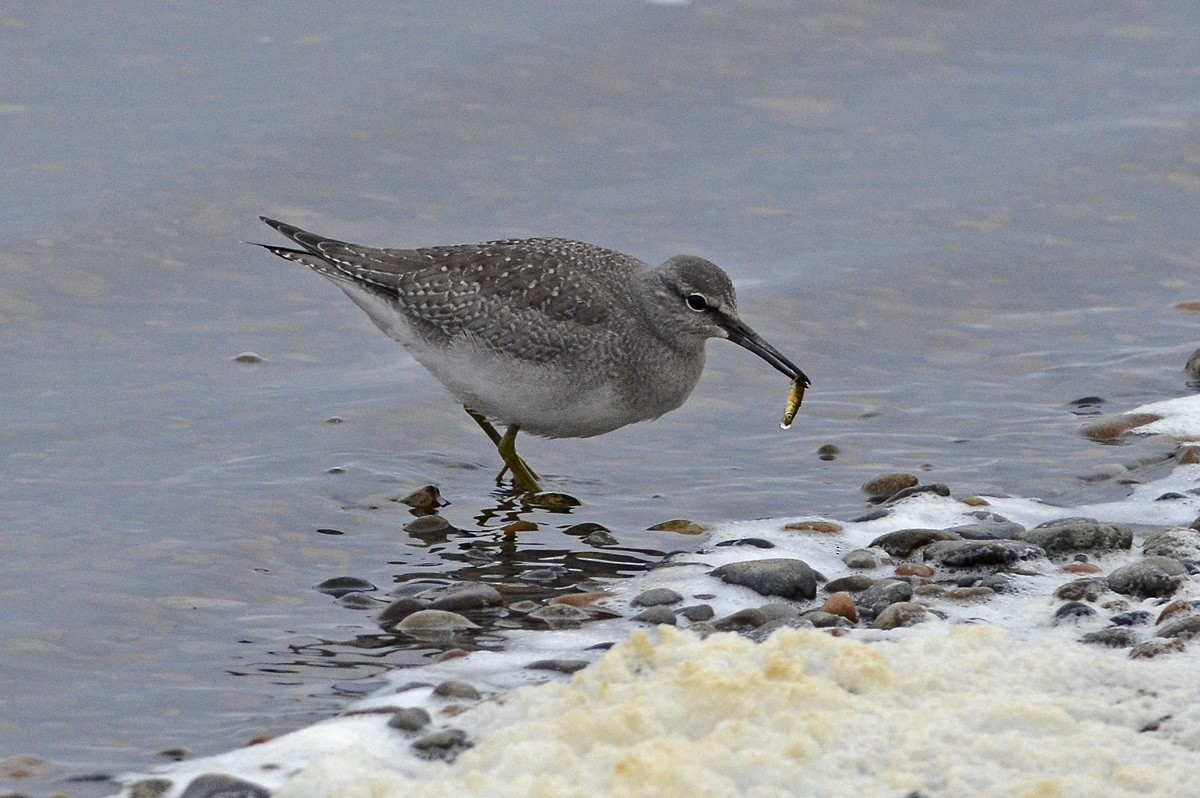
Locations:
554 337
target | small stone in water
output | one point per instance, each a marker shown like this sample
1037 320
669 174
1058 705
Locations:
680 526
248 358
339 586
655 596
409 719
453 689
886 485
658 614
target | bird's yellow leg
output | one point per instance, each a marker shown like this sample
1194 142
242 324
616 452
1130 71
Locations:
524 479
498 440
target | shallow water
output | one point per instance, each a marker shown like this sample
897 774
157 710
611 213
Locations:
956 221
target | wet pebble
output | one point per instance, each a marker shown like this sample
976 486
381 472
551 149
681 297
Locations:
523 607
987 530
1072 536
1131 618
358 601
558 665
462 596
680 526
658 614
1178 542
1110 429
914 569
581 599
249 358
1148 649
1173 610
1073 611
560 615
777 576
886 485
864 559
434 621
149 788
1113 637
219 785
400 609
749 618
1181 628
1148 577
445 744
872 601
841 603
972 593
427 525
1089 588
975 553
456 689
903 542
409 719
819 526
854 583
426 499
904 613
937 489
339 586
758 543
697 612
601 538
777 610
655 596
826 620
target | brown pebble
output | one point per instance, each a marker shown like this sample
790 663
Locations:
821 527
841 604
1148 649
1110 429
1080 568
929 591
971 593
1192 306
1176 607
580 599
914 569
520 525
886 485
975 501
451 653
680 526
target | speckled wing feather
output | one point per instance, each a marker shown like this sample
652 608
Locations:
510 295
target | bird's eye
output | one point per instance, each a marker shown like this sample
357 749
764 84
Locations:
697 302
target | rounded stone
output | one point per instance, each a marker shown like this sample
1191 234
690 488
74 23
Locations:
863 559
339 586
750 618
1182 628
220 785
976 553
1073 611
1113 637
434 621
443 744
428 525
409 719
1178 542
657 614
904 613
854 583
872 601
1072 536
887 485
903 542
462 596
777 576
655 596
697 612
1087 589
841 604
456 689
558 665
988 530
1148 577
826 620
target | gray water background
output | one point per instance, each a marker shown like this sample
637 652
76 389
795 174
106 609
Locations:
957 218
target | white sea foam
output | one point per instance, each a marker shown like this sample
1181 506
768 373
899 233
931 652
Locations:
992 699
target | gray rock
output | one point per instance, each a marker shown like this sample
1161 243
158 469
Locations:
757 543
400 609
988 530
903 542
455 689
219 785
976 553
854 583
1113 637
1148 577
1181 628
149 788
429 526
434 621
826 620
866 558
1072 611
656 596
339 586
937 489
905 613
1072 536
1131 618
558 665
698 612
358 601
601 537
872 601
445 744
409 719
1001 583
777 610
560 615
776 576
462 596
659 613
750 618
763 632
1178 542
1090 588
